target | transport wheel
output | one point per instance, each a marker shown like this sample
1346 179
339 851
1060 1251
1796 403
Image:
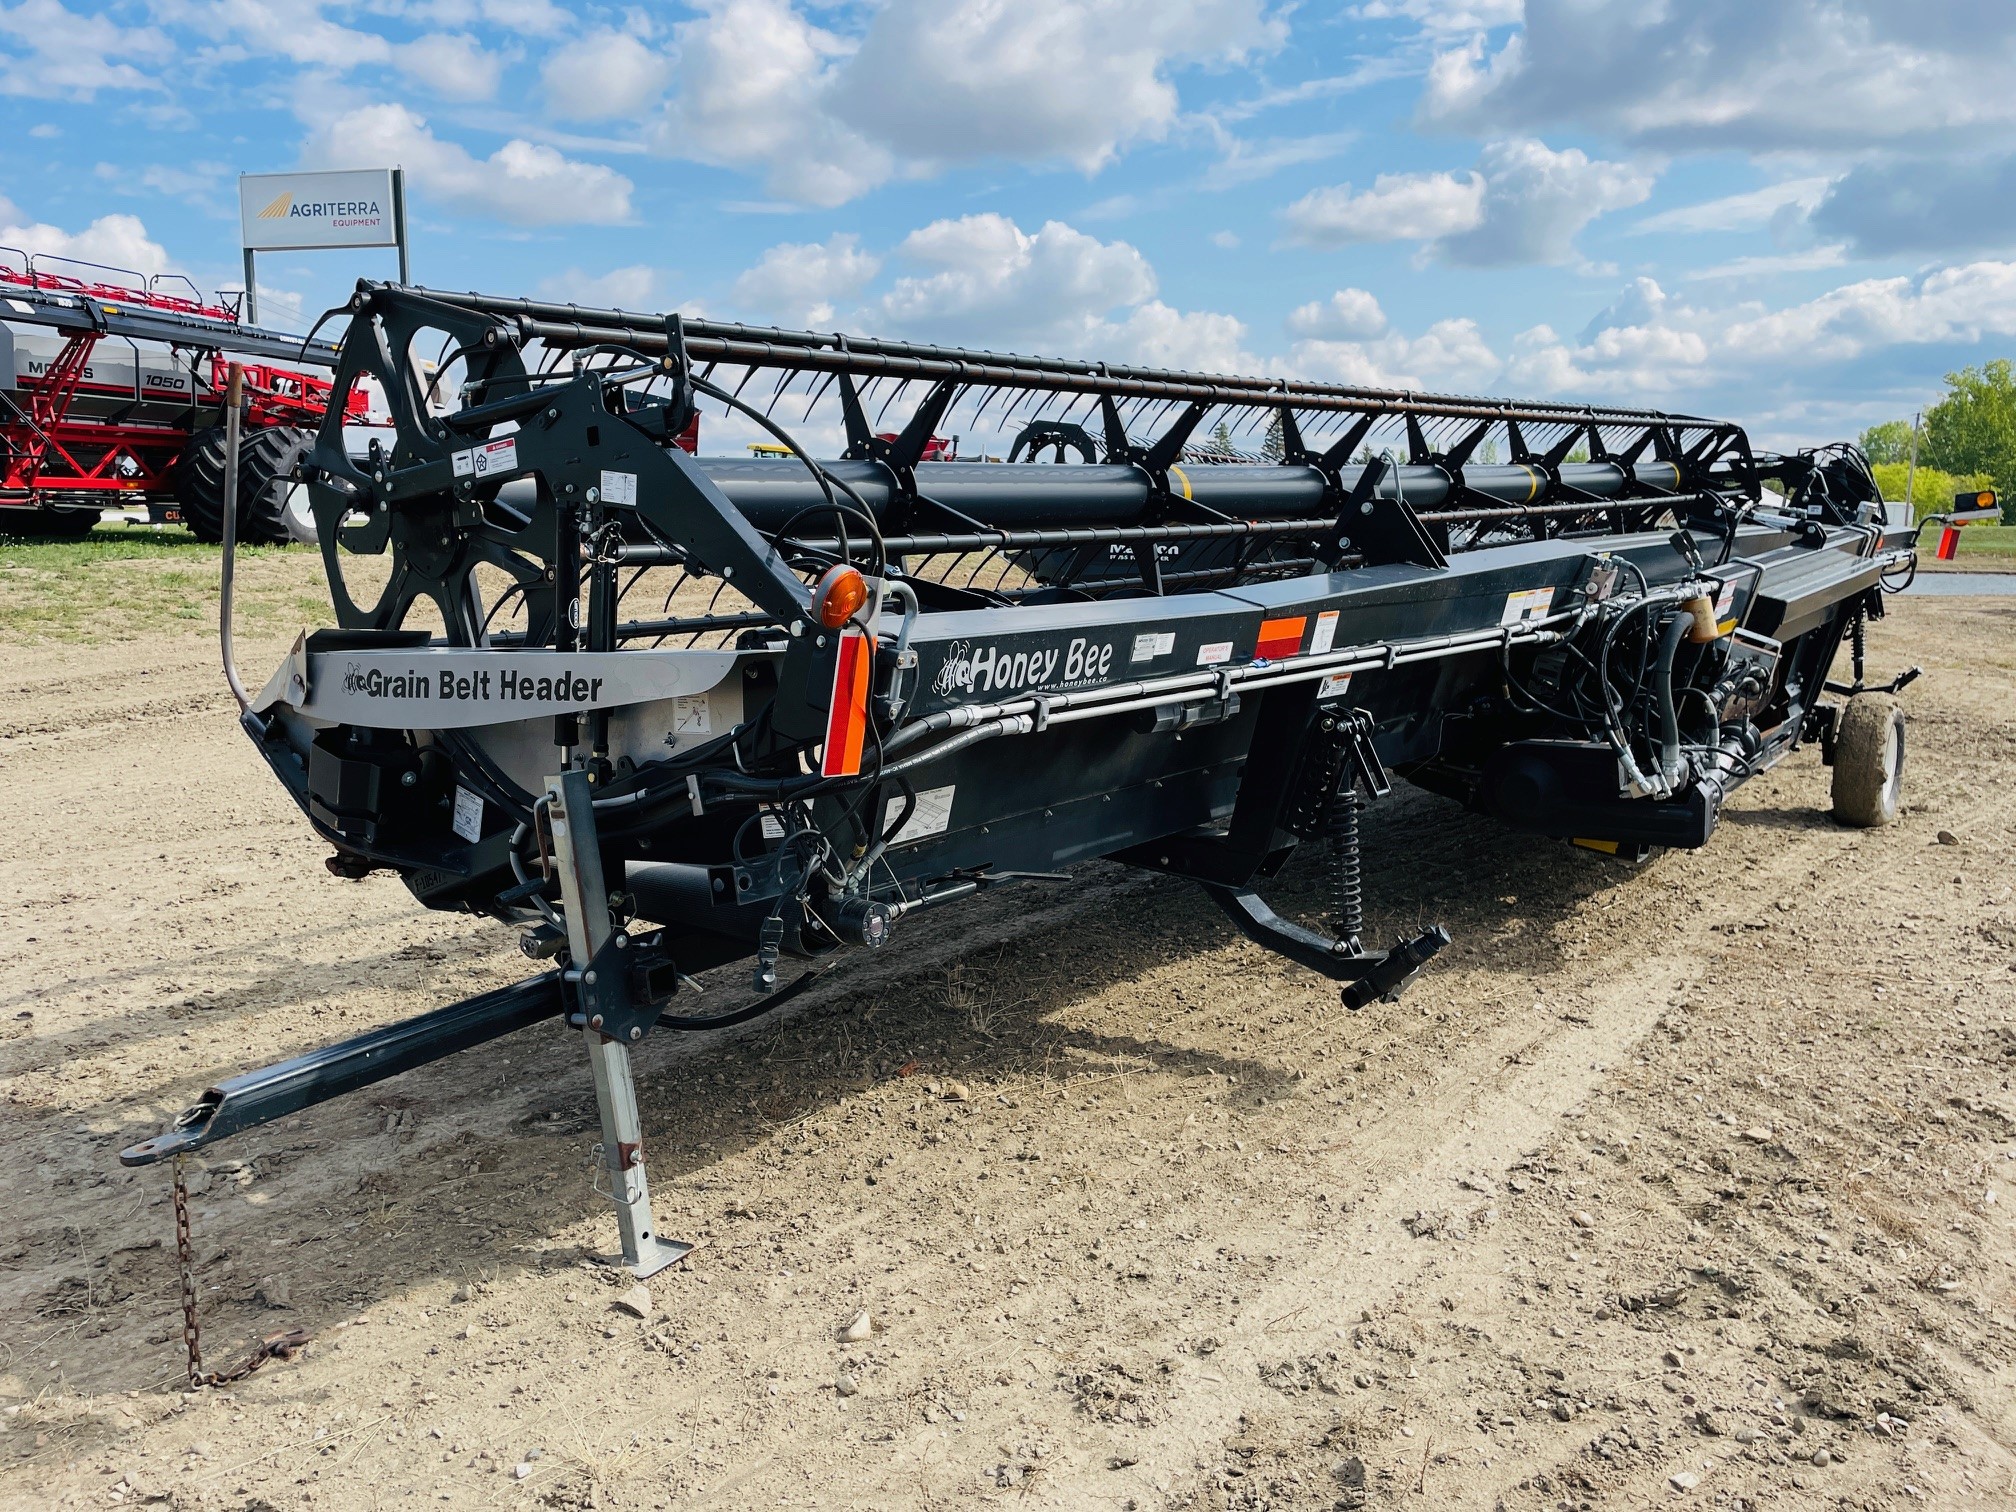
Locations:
1869 761
48 524
264 456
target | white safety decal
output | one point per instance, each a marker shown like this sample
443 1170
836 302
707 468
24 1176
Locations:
691 715
1153 643
932 816
619 487
468 815
1527 605
1213 654
1326 633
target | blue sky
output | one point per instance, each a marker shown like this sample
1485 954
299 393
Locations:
1795 213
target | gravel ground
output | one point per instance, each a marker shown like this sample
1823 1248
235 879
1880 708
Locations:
1686 1184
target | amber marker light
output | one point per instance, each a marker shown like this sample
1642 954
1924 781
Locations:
841 595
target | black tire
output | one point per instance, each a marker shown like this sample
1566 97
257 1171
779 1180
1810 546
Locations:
199 484
265 457
49 524
1869 761
266 462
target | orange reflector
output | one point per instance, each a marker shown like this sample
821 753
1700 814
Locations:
1985 498
847 716
1280 637
841 594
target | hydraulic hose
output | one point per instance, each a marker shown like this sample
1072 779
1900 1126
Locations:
1672 759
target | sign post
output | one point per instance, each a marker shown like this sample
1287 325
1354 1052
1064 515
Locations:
363 207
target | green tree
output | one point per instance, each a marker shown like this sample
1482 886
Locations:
1888 442
1973 429
1274 445
1932 490
1221 437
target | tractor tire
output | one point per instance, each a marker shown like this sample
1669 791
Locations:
1869 761
198 483
265 457
266 462
49 524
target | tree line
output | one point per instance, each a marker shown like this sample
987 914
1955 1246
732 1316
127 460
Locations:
1967 441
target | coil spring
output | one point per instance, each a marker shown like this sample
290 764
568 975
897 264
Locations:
1858 634
1343 868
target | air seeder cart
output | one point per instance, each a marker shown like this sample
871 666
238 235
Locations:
112 393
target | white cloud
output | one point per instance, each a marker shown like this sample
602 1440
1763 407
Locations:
522 182
798 283
752 76
453 65
1738 74
118 241
1443 16
1770 264
1523 203
995 284
1649 343
1738 212
50 53
1536 201
1347 315
534 18
930 83
604 75
1202 341
635 287
296 30
1450 354
1041 80
1953 304
1242 161
1398 207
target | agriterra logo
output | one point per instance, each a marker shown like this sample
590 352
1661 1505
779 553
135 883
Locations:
284 208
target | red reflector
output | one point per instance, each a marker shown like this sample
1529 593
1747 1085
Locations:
1280 637
1949 542
847 717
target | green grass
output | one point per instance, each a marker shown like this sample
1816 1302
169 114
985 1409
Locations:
1982 540
123 582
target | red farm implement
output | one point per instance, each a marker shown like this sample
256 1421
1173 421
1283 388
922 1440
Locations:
111 393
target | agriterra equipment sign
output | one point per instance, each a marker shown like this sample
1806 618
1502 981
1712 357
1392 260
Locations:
287 211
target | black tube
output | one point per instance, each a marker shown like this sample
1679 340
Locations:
1672 760
1026 495
257 1097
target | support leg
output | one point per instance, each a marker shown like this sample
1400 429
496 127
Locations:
571 811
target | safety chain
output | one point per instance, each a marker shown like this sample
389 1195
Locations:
277 1346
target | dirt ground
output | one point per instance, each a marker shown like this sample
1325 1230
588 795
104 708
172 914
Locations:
1686 1184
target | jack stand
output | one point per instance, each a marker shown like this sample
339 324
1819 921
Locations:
571 813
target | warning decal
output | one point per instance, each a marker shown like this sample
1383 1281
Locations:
932 816
1326 633
1527 605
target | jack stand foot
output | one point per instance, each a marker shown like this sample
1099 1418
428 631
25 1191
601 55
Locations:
570 810
658 1255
